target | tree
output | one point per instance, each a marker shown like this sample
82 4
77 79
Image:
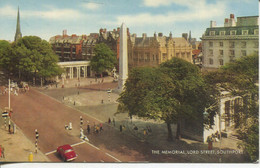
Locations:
103 60
32 57
5 50
240 78
172 92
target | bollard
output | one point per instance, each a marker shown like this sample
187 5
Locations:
30 157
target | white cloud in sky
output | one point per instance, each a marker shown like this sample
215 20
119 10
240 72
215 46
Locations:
50 14
91 6
8 11
199 12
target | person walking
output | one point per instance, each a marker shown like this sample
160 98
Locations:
121 128
101 127
88 129
114 122
109 120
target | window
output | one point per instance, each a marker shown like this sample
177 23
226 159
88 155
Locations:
232 52
243 52
221 62
210 61
221 52
244 32
212 33
221 44
210 52
222 33
232 44
211 44
256 32
256 44
243 44
233 32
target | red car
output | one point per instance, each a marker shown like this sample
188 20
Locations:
67 153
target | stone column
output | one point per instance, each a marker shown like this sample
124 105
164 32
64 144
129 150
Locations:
78 72
123 60
71 73
84 71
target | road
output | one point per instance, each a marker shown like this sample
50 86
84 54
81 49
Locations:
34 110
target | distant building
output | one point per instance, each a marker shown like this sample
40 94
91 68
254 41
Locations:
74 48
18 33
236 39
152 51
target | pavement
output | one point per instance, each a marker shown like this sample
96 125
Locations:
17 147
86 95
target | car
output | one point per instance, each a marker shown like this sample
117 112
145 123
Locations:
67 153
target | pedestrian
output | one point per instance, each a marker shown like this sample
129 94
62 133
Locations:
88 128
114 122
120 127
144 132
109 120
9 126
56 85
101 127
97 129
3 152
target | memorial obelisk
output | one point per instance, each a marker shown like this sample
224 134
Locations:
123 59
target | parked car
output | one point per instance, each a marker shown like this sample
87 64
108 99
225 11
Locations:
67 153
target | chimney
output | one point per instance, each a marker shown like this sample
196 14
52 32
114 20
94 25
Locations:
213 24
64 33
155 35
232 16
160 34
170 35
185 35
144 35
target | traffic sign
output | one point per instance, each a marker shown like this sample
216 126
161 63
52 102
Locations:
5 114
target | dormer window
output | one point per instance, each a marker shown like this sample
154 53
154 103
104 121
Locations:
212 33
244 32
222 33
256 32
233 32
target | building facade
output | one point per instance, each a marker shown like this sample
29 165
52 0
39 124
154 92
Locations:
152 51
221 45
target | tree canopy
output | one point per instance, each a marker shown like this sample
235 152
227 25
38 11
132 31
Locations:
172 92
241 78
103 60
31 56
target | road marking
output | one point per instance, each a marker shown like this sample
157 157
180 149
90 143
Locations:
50 153
70 145
78 143
93 145
113 157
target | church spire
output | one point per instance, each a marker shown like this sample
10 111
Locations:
18 33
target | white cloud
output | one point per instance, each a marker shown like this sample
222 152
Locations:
157 3
199 12
91 6
8 11
50 14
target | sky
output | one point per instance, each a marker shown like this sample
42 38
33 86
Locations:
47 18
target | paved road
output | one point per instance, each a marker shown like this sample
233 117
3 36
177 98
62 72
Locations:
34 110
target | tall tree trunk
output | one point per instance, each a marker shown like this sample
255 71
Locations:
178 131
170 138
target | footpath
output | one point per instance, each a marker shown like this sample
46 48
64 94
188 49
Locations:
17 147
